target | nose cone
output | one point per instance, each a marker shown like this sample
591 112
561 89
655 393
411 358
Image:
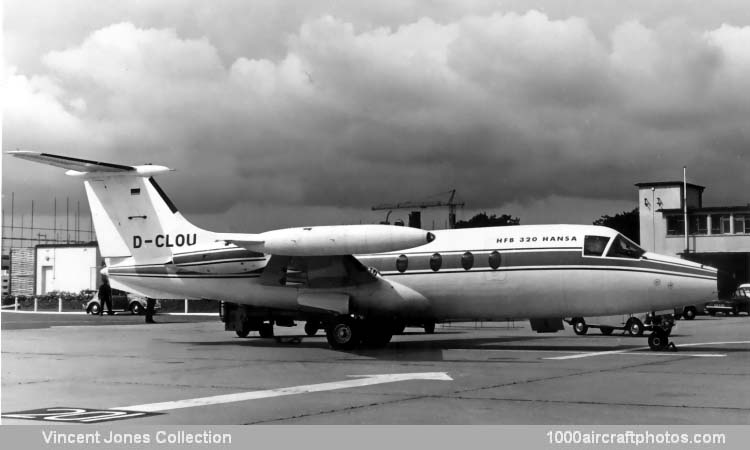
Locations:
430 237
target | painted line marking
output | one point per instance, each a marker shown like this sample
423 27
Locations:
631 350
359 381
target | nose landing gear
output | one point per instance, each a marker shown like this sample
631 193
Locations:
658 340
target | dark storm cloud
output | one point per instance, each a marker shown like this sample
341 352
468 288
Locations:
506 107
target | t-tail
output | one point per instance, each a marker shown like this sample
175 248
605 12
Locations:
132 216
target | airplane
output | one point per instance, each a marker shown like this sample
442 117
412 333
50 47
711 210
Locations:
361 281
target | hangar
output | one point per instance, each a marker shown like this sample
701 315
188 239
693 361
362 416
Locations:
718 236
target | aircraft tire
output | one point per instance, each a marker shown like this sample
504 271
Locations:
266 330
634 327
579 327
658 340
242 332
689 313
344 334
606 330
429 328
93 309
311 327
376 334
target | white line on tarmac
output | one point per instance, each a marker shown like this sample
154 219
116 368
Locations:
125 313
361 380
630 350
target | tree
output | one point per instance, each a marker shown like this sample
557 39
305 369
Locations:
483 220
625 222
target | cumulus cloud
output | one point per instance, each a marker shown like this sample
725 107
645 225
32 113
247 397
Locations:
510 108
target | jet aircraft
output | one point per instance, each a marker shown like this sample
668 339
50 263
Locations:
361 281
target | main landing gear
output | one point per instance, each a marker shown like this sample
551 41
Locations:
347 332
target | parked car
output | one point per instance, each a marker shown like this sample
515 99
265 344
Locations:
121 301
633 324
689 312
737 303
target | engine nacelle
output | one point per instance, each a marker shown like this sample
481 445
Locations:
341 240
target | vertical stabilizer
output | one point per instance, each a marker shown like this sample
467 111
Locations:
132 216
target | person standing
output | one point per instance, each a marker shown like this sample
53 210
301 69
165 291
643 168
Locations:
105 297
150 303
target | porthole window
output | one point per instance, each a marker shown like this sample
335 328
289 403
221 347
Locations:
436 261
495 260
467 260
402 262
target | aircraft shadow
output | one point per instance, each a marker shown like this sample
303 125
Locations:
433 349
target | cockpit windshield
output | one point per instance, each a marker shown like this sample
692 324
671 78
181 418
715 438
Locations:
623 247
594 245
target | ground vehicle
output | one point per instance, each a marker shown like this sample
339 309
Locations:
634 324
690 311
121 301
739 302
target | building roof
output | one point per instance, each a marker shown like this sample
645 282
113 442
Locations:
87 244
669 183
709 209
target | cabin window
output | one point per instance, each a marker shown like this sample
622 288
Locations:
623 247
594 245
495 260
467 260
436 261
402 262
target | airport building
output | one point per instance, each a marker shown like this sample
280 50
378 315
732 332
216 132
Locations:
718 236
67 268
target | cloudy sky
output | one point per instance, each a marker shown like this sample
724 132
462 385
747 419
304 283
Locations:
285 113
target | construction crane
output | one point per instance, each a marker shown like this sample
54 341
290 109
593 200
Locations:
451 204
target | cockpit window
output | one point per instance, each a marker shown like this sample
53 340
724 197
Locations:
594 245
623 247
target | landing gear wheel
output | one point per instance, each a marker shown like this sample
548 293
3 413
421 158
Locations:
376 334
242 332
343 334
429 327
634 327
689 313
93 309
266 330
311 328
580 327
658 340
606 330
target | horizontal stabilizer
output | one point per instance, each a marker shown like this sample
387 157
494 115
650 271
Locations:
82 167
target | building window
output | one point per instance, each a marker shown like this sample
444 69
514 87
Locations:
726 224
435 262
675 226
402 262
495 260
741 224
698 224
467 260
716 224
